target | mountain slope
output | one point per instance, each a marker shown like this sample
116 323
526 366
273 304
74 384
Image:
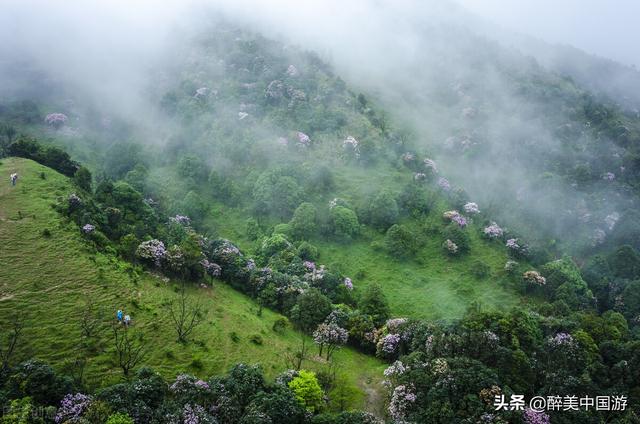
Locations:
47 279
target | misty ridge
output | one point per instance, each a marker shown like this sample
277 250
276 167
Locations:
463 92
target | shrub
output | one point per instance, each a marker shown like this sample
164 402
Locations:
307 391
252 229
400 241
304 221
308 252
256 339
280 324
458 236
120 418
381 211
344 222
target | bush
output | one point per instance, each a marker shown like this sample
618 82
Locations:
458 236
381 211
256 339
280 324
307 251
344 222
400 241
120 418
304 222
252 229
276 193
307 391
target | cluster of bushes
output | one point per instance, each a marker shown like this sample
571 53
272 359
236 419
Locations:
33 392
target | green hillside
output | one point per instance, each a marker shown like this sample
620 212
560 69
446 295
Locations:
47 279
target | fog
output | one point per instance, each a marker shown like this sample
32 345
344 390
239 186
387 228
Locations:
421 60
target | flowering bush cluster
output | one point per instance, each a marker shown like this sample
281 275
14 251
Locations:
513 244
471 208
292 71
419 176
401 399
510 266
534 277
74 201
88 228
535 417
152 250
450 247
493 231
388 345
56 120
331 336
430 165
348 283
275 90
352 145
181 219
561 339
72 407
303 139
408 157
609 176
444 184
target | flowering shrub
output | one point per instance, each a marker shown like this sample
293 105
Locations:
401 399
493 231
351 144
448 215
211 269
611 220
471 208
510 266
88 228
513 244
534 277
561 339
201 92
196 415
303 139
395 369
444 184
56 120
181 219
450 247
152 250
72 407
330 335
348 283
430 165
275 90
393 325
535 417
609 176
388 345
419 176
292 71
408 157
460 220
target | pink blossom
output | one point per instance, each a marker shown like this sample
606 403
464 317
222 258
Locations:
444 184
493 231
56 120
471 208
303 139
348 283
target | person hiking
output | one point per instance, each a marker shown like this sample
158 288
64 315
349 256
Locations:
14 178
127 320
119 315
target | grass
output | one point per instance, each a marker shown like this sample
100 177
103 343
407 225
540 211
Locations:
47 279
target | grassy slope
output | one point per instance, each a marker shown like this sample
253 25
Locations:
431 285
47 279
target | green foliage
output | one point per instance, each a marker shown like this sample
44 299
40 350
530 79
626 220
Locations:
307 252
252 230
344 222
565 283
381 210
400 242
194 167
480 269
375 304
276 193
120 418
625 262
194 206
415 200
307 391
457 235
82 178
311 308
304 221
51 156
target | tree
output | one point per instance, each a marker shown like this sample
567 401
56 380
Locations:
458 236
304 221
400 242
9 345
382 210
307 391
276 193
129 351
89 318
185 315
344 222
82 178
194 206
310 310
331 336
374 303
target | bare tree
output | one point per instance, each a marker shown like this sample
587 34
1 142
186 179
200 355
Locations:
129 351
89 318
186 315
295 359
9 346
